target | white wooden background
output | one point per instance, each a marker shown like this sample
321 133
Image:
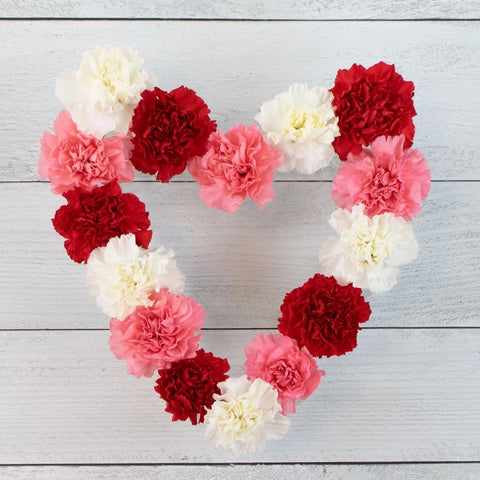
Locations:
404 405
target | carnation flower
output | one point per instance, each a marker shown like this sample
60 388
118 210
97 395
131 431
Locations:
170 129
103 92
324 316
245 416
188 385
368 251
122 275
238 163
278 360
154 337
302 124
385 179
91 219
71 158
370 103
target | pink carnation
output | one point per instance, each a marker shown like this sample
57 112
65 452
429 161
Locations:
238 163
278 360
71 158
154 337
385 179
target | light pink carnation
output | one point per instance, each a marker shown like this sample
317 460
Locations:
238 163
278 360
71 158
385 179
153 337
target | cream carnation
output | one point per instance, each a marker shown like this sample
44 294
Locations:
102 94
245 416
368 250
302 124
123 275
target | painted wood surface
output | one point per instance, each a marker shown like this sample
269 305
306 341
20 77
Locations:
254 255
243 472
245 9
401 395
222 61
409 393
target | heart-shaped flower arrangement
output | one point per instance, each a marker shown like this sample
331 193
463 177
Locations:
115 120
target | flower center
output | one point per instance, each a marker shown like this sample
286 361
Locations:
134 281
367 245
227 163
112 76
301 124
243 415
159 333
87 160
385 185
284 375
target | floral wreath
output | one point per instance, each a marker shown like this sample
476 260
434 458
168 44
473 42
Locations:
115 120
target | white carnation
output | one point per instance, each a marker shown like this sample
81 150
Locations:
245 416
122 275
368 250
301 122
102 94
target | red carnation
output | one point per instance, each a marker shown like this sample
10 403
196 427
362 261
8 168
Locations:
371 103
188 385
170 129
91 219
324 316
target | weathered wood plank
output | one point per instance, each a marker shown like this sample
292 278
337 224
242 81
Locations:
240 266
241 472
401 395
250 9
235 66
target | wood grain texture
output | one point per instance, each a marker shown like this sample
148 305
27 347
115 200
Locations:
251 255
242 472
246 9
402 394
235 66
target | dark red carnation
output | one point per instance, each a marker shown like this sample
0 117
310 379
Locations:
370 103
188 385
91 219
170 129
324 316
